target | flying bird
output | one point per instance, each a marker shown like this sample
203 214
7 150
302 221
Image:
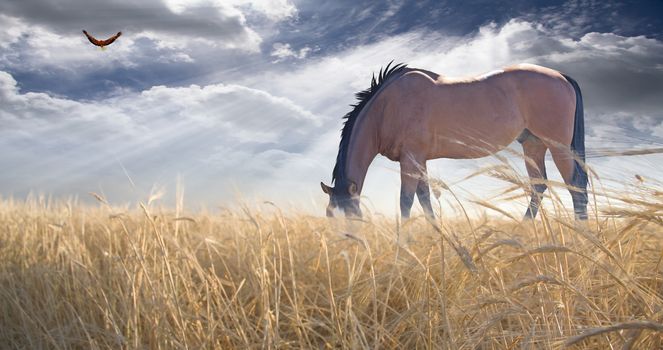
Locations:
102 43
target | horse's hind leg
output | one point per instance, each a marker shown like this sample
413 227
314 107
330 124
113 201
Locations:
565 162
535 153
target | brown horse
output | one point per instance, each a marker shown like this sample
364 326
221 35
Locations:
412 115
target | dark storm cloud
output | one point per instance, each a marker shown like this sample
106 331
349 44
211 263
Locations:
625 18
107 17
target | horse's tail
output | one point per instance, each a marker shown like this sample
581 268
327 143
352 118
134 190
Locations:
578 141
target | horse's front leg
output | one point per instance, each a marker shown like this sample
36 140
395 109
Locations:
423 193
410 177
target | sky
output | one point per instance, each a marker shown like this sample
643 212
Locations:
242 100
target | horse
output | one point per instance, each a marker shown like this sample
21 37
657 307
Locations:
411 115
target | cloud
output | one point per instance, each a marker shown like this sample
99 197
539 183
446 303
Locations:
274 10
214 135
283 51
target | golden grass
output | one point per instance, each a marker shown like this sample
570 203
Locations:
75 276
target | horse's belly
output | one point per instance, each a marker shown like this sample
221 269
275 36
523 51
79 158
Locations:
474 143
466 151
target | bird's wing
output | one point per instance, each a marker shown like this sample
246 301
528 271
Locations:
111 39
92 39
102 43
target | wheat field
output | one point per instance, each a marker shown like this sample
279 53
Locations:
75 276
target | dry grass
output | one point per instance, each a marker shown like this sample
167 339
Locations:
74 276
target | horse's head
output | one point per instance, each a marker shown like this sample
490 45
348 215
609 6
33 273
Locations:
345 198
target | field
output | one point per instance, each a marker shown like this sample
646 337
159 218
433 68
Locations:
98 276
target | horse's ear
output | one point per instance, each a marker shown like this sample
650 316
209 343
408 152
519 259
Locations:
326 189
352 189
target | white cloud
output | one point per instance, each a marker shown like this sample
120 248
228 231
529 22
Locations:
13 28
283 51
213 134
274 10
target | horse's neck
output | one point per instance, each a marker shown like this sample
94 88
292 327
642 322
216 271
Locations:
363 148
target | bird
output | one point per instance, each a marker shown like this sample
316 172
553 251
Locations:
102 43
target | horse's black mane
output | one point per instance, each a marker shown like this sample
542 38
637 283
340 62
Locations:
362 99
